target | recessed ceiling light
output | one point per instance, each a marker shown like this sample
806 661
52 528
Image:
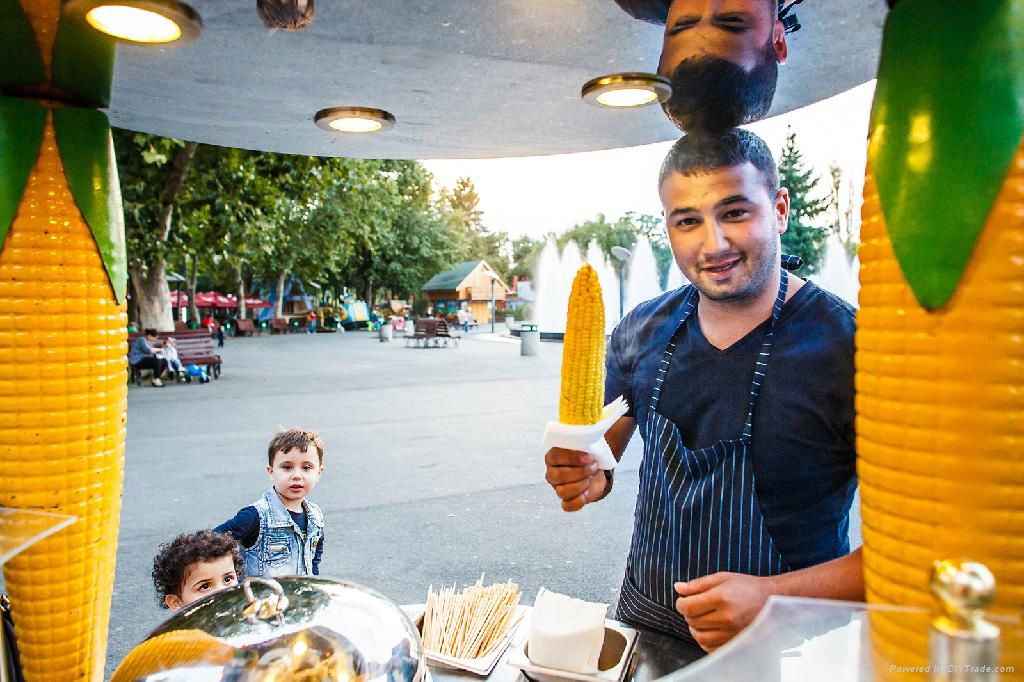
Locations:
624 90
140 21
354 120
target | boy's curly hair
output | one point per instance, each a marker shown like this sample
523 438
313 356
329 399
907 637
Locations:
174 558
286 14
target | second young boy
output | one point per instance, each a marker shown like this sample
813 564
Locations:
283 532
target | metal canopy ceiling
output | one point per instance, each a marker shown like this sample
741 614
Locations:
465 78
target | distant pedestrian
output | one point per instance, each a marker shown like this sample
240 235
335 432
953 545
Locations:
312 323
463 317
283 532
144 355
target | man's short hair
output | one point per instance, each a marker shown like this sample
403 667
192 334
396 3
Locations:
297 439
702 153
150 332
173 559
654 11
286 14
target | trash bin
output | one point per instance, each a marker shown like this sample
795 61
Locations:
385 332
529 337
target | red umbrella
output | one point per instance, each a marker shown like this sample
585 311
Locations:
211 299
257 303
178 299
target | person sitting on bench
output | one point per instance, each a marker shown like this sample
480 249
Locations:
143 355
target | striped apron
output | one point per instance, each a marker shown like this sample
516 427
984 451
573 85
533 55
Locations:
697 512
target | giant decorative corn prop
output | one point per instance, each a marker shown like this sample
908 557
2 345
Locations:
583 418
62 334
582 397
940 356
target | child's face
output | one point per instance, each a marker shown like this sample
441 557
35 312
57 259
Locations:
202 579
295 473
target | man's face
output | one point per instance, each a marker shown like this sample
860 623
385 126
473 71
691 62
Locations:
295 473
724 230
202 579
734 30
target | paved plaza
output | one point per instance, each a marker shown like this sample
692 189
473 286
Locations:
434 472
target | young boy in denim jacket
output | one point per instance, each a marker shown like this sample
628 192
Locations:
283 532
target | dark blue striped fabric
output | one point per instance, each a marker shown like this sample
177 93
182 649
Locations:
697 511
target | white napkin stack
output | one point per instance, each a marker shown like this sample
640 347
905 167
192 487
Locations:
566 633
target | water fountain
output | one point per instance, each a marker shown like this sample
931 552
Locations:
676 278
550 301
643 282
609 280
837 273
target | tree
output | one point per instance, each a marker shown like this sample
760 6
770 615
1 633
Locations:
152 171
844 217
459 209
623 232
803 237
525 252
393 237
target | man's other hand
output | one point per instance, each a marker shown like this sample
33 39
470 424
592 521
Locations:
718 606
575 476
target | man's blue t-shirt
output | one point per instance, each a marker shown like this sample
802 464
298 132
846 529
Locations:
803 440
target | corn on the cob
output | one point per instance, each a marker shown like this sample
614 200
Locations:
582 397
939 427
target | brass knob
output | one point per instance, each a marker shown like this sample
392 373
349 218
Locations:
962 588
264 608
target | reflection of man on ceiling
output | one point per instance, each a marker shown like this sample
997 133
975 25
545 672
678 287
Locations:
722 56
291 15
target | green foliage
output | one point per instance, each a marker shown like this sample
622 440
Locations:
365 224
803 236
844 217
459 210
143 164
623 232
525 252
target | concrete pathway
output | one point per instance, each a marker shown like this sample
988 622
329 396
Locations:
434 471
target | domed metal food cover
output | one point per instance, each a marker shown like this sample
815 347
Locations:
298 628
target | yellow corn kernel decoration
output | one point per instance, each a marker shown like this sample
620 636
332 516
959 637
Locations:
940 425
582 397
173 651
63 390
63 396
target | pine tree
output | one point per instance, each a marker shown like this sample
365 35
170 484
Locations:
803 237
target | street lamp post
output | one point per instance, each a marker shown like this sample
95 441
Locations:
622 254
494 309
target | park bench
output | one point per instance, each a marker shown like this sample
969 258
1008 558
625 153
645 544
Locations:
279 325
245 327
445 335
424 331
195 347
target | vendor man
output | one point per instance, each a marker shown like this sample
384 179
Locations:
742 385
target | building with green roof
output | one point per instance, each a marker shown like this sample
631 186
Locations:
471 285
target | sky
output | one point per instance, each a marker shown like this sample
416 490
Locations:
540 194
